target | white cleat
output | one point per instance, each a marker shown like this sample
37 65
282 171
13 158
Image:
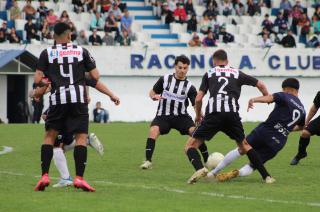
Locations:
146 165
197 175
63 183
95 143
270 180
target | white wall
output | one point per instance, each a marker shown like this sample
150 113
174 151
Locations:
3 98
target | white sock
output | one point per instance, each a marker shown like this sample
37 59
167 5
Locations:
230 156
70 146
245 170
61 162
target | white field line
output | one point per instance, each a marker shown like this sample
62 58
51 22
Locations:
6 149
174 190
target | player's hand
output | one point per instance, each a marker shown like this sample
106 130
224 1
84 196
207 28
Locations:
157 97
250 104
115 99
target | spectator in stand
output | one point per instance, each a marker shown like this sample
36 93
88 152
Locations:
211 11
209 41
121 5
172 5
126 22
195 40
167 13
31 30
180 14
111 24
124 40
46 32
9 4
298 4
108 39
288 41
78 6
100 114
42 10
189 8
13 37
281 23
89 5
3 37
226 36
267 23
15 12
253 8
116 12
215 5
205 25
29 10
239 8
304 24
4 28
64 17
317 12
215 25
82 38
192 24
314 42
97 22
296 15
264 31
105 5
315 24
286 6
51 19
95 39
226 7
265 42
74 32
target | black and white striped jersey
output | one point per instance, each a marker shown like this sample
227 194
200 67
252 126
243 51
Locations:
224 86
176 95
65 66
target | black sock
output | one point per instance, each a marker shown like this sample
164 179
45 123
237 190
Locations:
151 143
204 151
257 163
80 159
194 158
303 143
46 157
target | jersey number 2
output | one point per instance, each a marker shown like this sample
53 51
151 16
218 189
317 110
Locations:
226 81
70 74
295 117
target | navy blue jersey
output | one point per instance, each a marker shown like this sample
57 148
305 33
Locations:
287 113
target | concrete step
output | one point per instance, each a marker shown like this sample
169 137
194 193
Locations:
148 22
143 8
164 40
161 26
173 44
156 31
140 12
164 36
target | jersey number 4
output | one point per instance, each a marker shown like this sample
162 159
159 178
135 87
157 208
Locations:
69 75
225 83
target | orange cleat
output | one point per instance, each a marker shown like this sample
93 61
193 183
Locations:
42 183
79 182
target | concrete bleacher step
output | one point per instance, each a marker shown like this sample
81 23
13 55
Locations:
140 12
164 38
143 8
134 3
173 44
171 41
157 29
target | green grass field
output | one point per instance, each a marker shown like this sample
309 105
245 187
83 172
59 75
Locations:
122 186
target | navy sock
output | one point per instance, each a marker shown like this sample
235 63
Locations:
204 151
151 143
46 157
303 144
194 158
257 163
80 159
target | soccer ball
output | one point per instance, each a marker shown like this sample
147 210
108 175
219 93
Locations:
214 159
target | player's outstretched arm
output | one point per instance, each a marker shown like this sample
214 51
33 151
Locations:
41 86
260 99
198 106
313 110
262 88
94 74
100 86
154 96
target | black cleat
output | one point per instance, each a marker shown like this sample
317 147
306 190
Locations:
297 158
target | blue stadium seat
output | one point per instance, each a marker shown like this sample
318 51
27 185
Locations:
3 15
275 11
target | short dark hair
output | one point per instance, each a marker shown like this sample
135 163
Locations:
183 59
220 55
291 83
61 28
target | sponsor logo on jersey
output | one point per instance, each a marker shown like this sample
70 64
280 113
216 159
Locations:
172 96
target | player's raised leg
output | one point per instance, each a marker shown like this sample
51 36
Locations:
95 143
154 132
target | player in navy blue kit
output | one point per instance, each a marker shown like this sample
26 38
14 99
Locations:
269 137
311 128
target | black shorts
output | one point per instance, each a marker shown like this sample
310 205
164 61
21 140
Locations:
70 118
63 138
266 142
229 123
314 126
182 123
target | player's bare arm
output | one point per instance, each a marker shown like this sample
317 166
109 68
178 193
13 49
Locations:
198 106
94 74
262 88
100 86
260 99
313 110
154 96
297 128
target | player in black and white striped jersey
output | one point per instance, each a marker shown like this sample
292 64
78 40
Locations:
224 85
65 65
174 91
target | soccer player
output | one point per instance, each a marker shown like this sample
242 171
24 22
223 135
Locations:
224 85
65 64
173 91
311 128
269 137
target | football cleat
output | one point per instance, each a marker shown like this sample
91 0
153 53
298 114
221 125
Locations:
42 183
79 182
95 143
269 180
146 165
197 175
227 176
63 183
297 158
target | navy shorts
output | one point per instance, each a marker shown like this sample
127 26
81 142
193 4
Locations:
314 126
229 123
182 123
266 142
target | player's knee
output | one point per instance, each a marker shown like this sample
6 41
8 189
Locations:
305 134
154 132
81 139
